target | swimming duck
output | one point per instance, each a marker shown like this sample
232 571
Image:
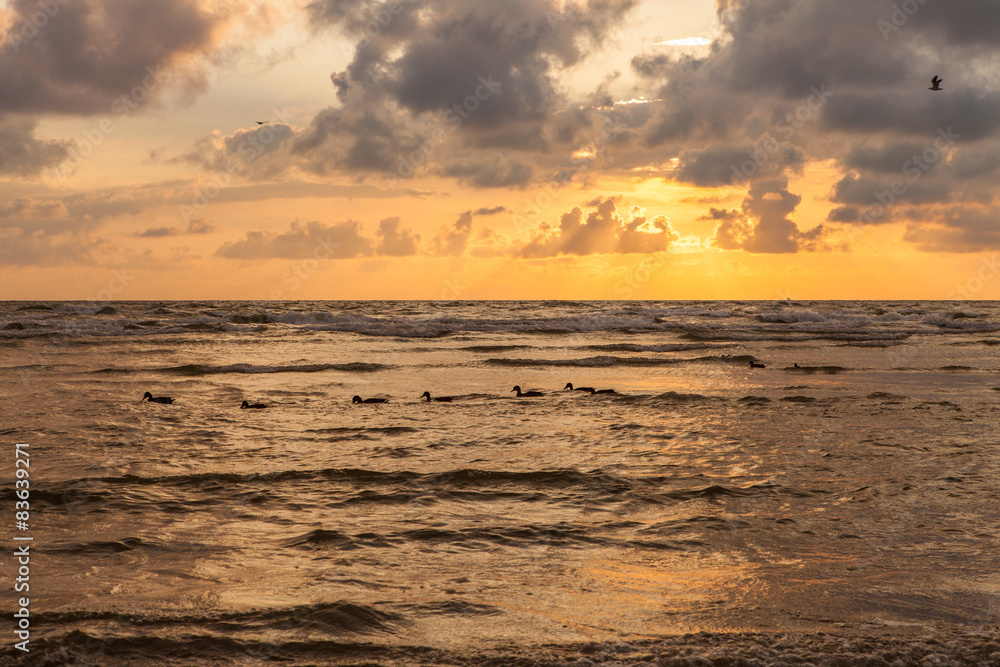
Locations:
439 399
569 386
254 406
529 394
158 399
358 399
754 364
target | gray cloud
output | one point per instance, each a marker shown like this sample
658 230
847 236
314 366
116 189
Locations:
158 232
24 154
395 241
87 54
763 225
313 240
20 248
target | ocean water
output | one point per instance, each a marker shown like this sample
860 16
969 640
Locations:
842 501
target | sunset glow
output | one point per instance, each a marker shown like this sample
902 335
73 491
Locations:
278 149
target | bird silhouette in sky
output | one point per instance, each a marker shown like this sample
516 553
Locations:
262 122
936 83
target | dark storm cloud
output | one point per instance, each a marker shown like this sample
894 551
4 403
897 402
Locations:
485 172
723 164
602 231
430 80
959 229
833 83
78 57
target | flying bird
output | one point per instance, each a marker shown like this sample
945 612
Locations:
936 83
263 122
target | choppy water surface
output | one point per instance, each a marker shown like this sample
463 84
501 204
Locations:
854 494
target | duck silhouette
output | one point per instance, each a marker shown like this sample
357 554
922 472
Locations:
528 394
570 387
358 399
166 400
439 399
754 364
252 406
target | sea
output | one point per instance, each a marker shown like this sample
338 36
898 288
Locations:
837 506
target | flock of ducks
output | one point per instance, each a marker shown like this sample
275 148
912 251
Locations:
166 400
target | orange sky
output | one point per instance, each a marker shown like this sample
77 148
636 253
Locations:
596 169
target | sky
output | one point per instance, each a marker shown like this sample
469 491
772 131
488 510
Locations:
517 149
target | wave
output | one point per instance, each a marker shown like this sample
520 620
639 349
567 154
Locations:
674 397
671 347
811 370
874 642
331 617
608 360
741 322
251 369
98 547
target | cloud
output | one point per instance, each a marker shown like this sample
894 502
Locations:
439 86
395 241
22 154
200 226
793 83
239 152
762 224
602 231
21 248
313 240
195 226
87 54
490 211
158 232
24 207
452 242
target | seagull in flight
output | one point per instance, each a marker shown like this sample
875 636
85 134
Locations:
936 83
262 122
